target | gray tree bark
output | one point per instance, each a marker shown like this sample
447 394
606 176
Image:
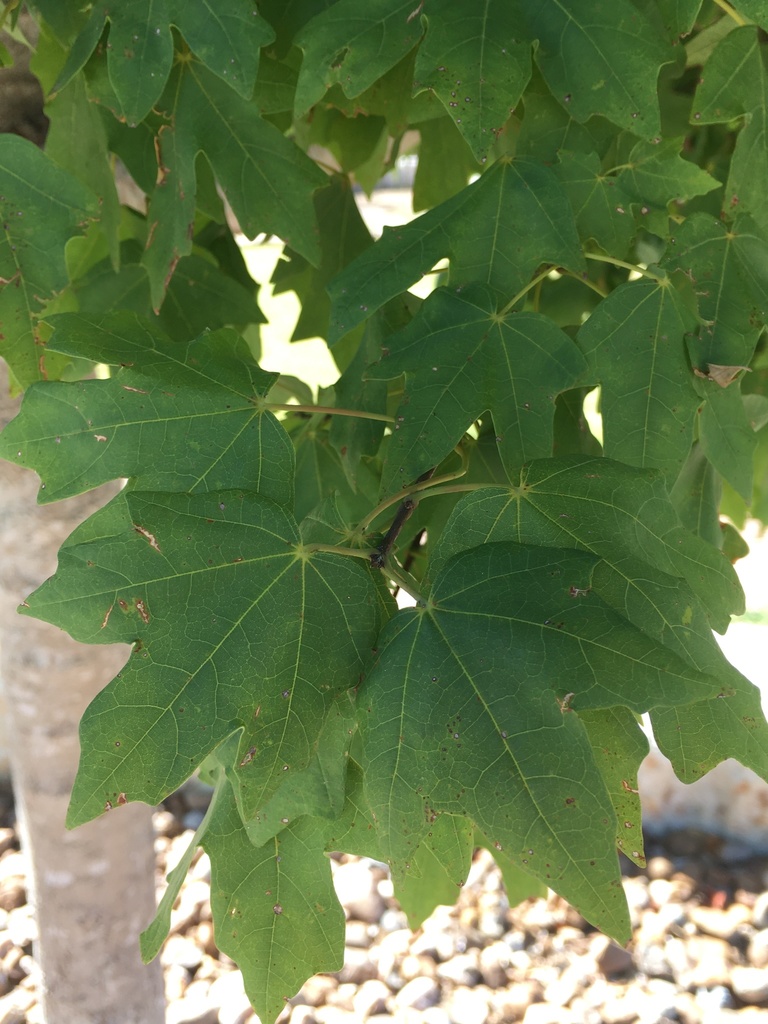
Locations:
92 889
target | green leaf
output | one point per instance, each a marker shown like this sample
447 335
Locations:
74 116
478 230
266 178
473 58
572 435
227 37
320 474
657 176
619 746
155 934
634 343
353 437
353 46
698 737
755 10
439 868
343 235
445 163
601 506
254 609
600 206
736 83
139 53
41 207
462 357
199 295
518 884
727 437
454 702
318 790
728 266
679 15
696 496
197 402
275 911
600 57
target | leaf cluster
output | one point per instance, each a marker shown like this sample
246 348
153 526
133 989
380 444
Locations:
594 224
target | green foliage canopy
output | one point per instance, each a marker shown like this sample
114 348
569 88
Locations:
593 177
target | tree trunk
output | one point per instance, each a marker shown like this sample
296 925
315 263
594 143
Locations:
92 889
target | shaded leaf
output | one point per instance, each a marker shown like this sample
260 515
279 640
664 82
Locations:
266 178
199 297
474 59
657 176
343 235
196 402
736 83
696 496
353 45
610 509
438 869
728 267
275 911
634 343
353 437
479 230
445 163
600 205
226 36
154 935
41 206
255 610
727 437
679 15
619 746
318 790
601 57
462 357
74 116
139 53
464 697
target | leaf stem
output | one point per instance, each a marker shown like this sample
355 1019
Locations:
524 291
725 6
404 581
335 550
588 282
627 266
419 485
327 410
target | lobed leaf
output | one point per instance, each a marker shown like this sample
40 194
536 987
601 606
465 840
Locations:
266 177
274 908
353 45
736 83
619 746
634 343
475 59
41 206
464 698
480 230
462 357
601 57
227 617
197 403
601 506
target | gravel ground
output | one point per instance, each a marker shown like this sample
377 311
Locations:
699 953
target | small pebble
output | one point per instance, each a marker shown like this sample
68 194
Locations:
418 994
